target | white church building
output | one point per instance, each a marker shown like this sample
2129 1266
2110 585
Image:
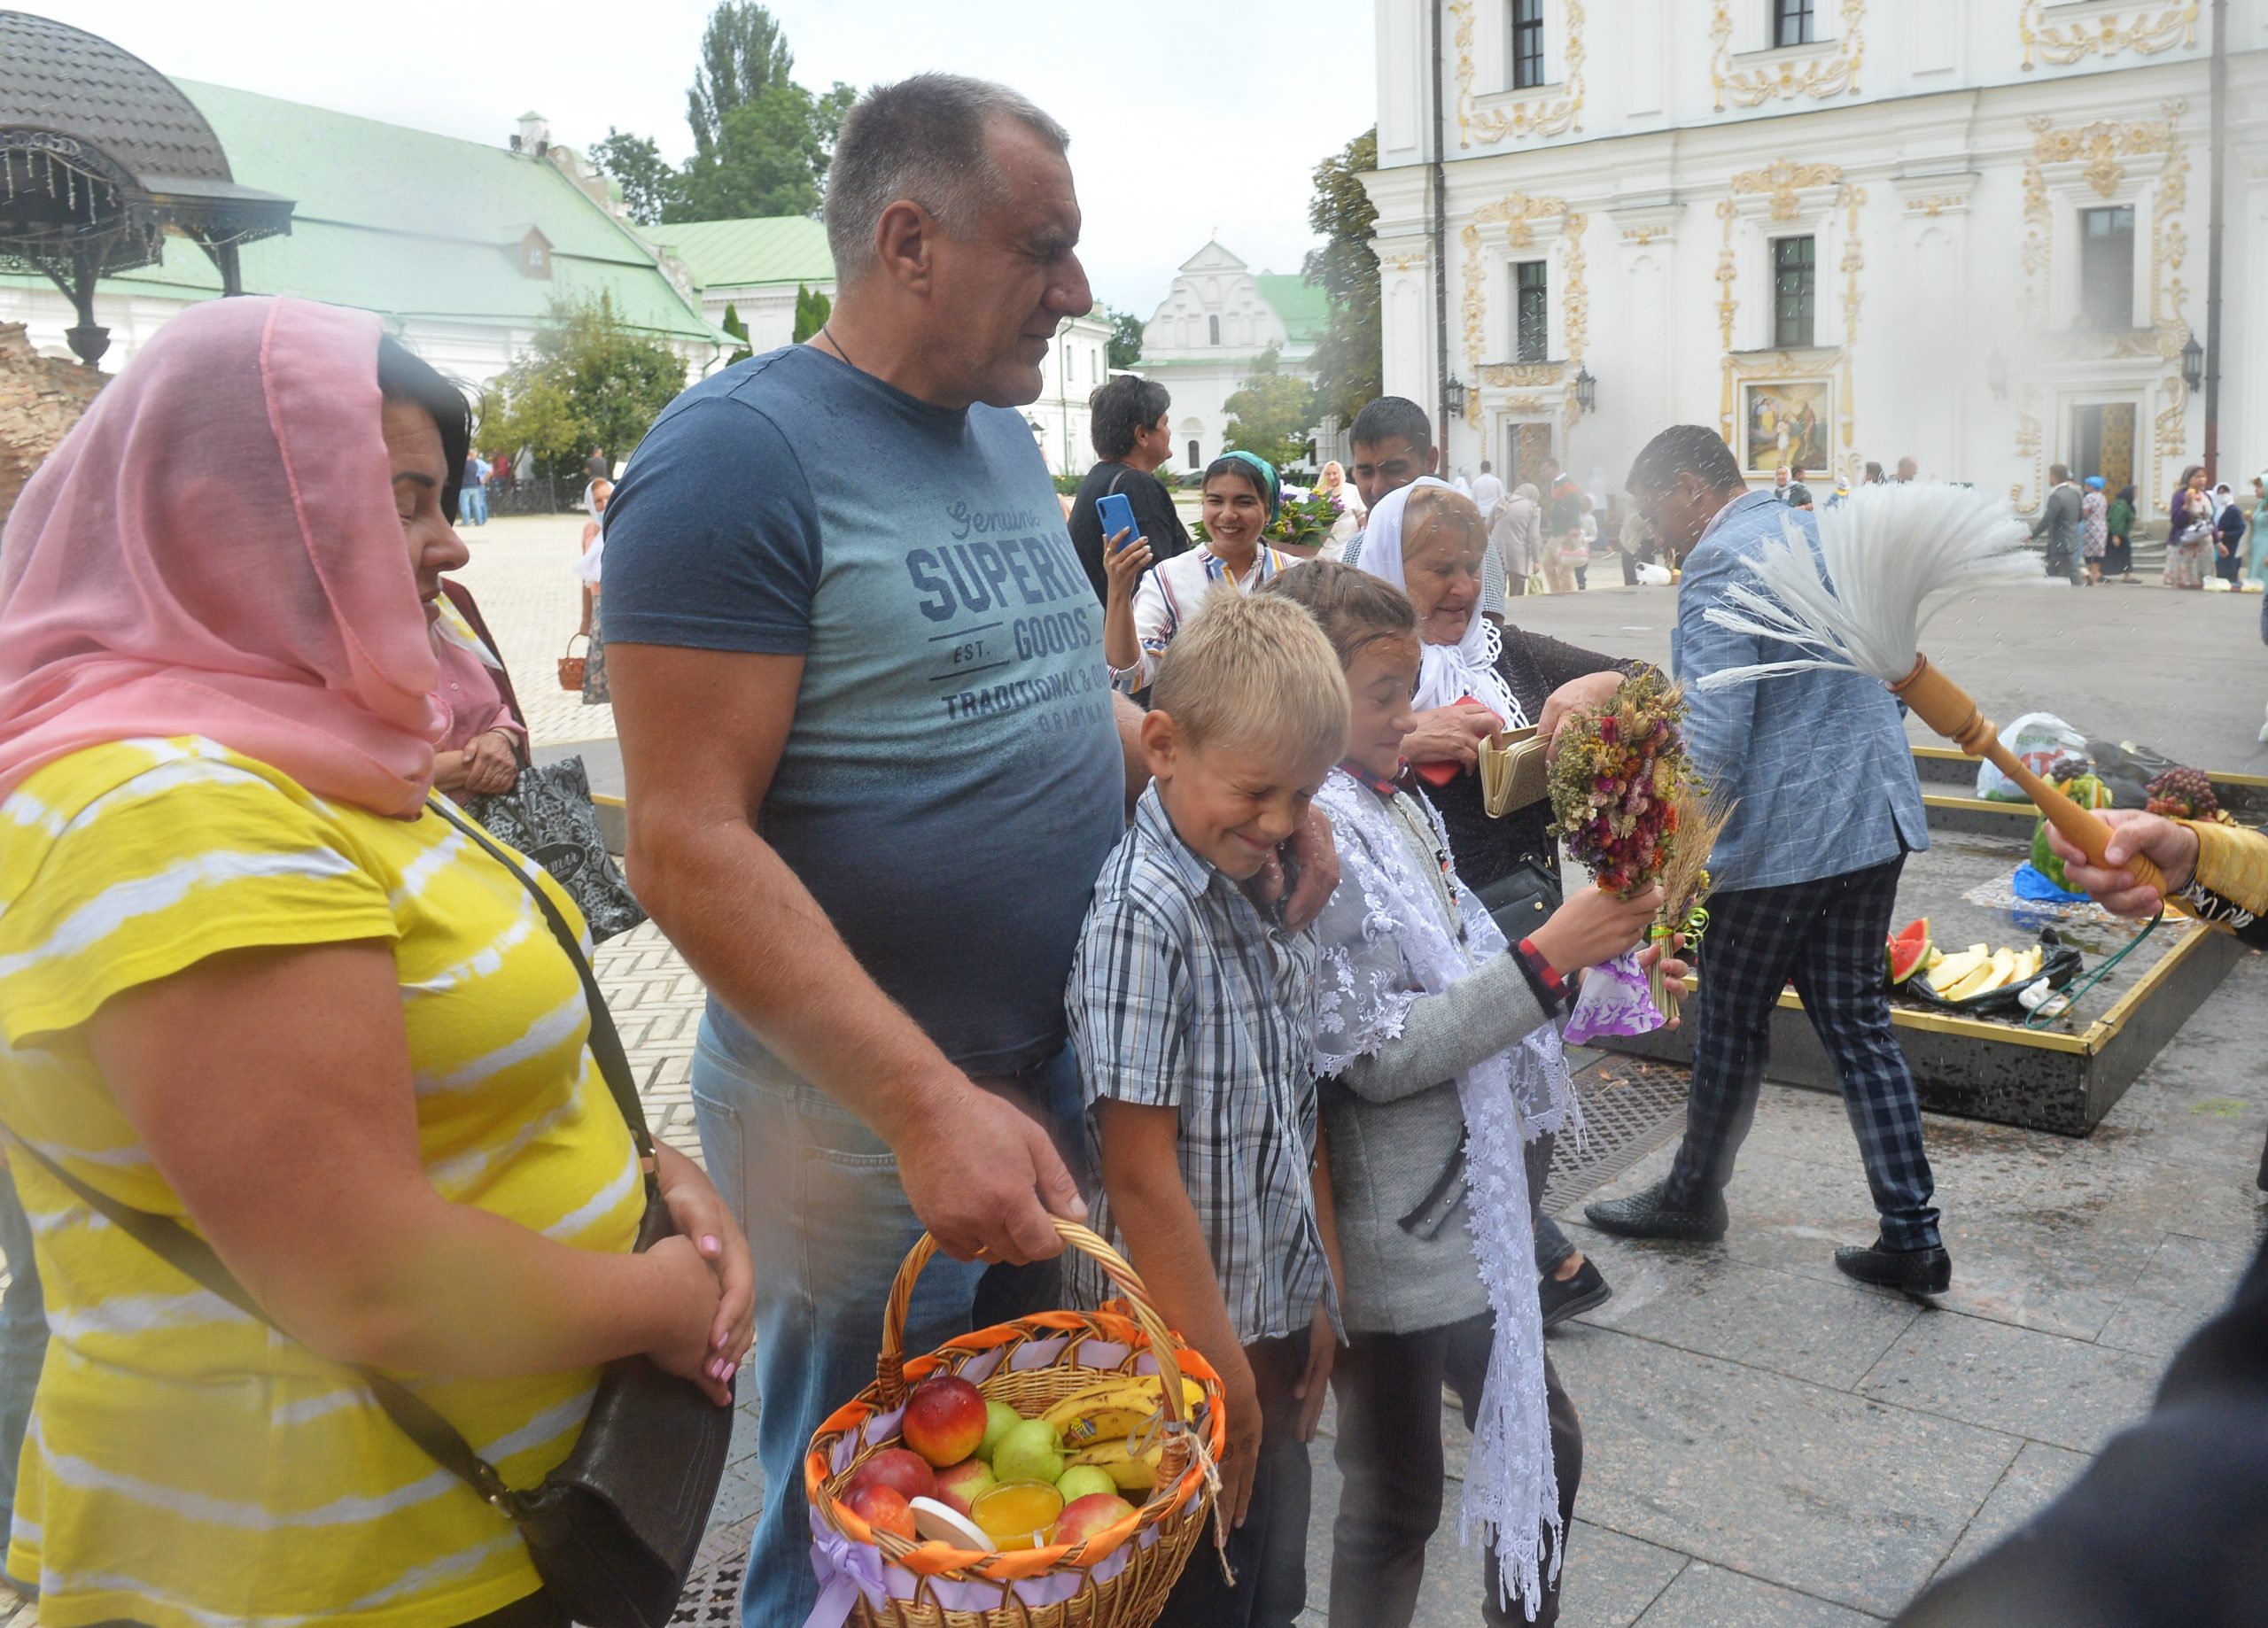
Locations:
1214 325
1974 232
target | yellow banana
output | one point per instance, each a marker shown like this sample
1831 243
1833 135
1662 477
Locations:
1139 1398
1132 1473
1106 1424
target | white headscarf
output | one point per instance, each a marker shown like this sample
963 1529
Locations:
1447 673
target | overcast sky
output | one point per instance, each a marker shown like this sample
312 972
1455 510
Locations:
1186 116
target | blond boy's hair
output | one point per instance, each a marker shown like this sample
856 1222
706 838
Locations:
1254 671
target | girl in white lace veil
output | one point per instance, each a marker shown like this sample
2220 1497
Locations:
1427 1018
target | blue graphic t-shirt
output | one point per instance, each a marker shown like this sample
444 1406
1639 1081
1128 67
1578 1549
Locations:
952 780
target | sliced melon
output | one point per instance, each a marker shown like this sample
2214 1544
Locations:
1949 973
1981 977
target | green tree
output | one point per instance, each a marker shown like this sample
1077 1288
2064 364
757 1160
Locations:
767 160
1125 347
827 113
732 325
1271 413
813 308
1349 362
588 380
648 184
742 56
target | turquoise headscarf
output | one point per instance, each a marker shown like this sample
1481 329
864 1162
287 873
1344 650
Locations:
1268 484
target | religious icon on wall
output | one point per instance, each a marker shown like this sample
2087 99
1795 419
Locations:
1786 422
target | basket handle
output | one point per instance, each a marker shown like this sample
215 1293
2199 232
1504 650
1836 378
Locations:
890 1368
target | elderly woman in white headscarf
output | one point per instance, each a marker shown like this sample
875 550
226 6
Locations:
1426 539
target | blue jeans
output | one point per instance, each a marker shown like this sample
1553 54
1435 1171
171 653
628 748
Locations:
828 1225
23 1341
472 505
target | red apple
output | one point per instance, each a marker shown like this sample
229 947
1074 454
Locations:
964 1484
1083 1517
884 1508
906 1474
944 1419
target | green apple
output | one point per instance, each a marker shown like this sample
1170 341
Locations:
1000 1419
1082 1479
1030 1451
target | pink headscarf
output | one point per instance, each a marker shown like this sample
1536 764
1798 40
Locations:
213 551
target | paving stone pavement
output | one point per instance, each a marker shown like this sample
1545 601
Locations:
1767 1445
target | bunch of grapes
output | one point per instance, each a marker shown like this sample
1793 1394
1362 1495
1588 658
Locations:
2184 793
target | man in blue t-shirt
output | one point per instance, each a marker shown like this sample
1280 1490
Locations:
873 773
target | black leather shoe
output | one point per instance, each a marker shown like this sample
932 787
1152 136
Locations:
1909 1271
1650 1215
1572 1296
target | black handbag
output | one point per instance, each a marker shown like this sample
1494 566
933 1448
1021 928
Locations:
549 816
613 1531
1521 900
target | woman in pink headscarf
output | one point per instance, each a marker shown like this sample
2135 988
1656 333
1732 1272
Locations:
252 981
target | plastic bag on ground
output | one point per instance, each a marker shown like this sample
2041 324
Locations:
1653 576
2042 740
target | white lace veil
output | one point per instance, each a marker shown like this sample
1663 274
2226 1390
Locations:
1385 945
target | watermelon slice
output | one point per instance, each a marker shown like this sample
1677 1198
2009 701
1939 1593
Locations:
1909 951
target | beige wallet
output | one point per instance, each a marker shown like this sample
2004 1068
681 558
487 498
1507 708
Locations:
1512 771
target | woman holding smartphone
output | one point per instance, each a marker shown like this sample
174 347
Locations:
1143 612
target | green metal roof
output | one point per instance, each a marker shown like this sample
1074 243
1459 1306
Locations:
760 249
412 224
1305 308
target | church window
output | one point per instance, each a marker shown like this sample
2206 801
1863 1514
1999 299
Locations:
1527 44
1531 292
1213 326
2107 266
1792 22
1195 462
1794 273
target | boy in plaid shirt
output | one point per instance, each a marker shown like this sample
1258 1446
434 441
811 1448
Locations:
1192 1012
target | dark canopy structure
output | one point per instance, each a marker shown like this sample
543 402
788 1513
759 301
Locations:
100 156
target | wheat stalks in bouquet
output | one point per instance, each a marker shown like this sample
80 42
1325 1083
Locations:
1856 605
1702 816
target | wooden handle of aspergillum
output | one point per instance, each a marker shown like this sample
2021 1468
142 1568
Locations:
1946 708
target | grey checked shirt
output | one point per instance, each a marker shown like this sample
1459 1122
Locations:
1183 994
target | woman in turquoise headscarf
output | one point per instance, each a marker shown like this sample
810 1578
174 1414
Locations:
1241 497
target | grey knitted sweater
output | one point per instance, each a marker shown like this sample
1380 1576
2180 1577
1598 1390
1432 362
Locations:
1392 1120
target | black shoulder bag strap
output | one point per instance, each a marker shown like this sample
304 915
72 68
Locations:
195 1258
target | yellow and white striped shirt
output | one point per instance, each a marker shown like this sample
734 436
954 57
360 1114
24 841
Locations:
187 1466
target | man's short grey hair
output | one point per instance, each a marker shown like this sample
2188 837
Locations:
924 139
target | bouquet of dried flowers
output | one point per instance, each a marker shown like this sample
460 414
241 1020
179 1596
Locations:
1623 790
1616 784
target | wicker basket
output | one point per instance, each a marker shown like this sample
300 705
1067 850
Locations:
1117 1578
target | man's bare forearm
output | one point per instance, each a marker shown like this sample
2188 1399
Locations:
748 928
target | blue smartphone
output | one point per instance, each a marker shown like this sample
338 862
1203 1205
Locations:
1118 515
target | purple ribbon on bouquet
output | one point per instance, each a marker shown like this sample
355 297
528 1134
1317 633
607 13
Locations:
1615 1000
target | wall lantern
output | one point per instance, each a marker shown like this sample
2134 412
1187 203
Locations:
2192 363
1586 389
1455 396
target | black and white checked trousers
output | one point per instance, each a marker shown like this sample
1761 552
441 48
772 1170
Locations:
1827 936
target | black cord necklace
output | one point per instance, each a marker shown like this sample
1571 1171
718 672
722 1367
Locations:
828 336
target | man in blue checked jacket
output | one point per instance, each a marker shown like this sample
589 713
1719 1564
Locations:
1807 872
